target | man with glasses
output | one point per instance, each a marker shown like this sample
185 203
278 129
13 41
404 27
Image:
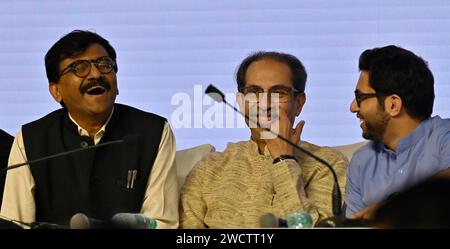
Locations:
234 189
394 100
137 177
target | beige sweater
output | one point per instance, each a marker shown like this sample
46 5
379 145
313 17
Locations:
234 188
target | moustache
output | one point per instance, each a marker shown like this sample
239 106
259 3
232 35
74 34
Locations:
264 114
100 84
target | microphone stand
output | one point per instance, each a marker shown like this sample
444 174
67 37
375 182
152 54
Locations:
62 154
8 223
218 96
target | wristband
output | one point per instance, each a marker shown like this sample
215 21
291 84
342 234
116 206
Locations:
283 157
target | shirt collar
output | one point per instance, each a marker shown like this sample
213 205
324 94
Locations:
414 137
99 133
254 150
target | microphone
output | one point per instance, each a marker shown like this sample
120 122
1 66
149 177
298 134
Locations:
130 139
270 221
81 221
218 96
118 221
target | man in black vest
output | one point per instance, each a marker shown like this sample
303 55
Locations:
126 178
6 141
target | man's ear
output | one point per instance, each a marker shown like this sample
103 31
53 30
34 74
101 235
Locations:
393 105
53 88
300 100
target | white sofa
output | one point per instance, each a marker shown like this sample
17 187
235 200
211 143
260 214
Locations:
349 149
187 158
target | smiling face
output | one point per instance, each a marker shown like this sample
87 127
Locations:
373 118
89 96
270 74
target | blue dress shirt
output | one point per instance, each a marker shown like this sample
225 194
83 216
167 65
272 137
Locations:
376 172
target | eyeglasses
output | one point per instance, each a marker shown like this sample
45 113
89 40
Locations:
276 94
359 96
82 68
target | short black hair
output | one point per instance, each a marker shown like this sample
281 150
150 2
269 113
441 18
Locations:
394 70
298 72
72 44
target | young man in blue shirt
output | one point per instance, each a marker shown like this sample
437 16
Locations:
394 100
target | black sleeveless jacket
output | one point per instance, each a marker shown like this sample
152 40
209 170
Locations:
93 182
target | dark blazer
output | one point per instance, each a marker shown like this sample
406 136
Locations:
94 182
6 141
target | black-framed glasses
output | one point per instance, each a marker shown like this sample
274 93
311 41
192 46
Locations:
82 68
277 94
359 96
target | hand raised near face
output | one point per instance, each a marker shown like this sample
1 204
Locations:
283 127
